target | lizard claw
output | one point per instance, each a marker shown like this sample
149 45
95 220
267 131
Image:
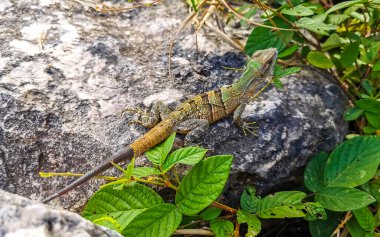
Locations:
249 127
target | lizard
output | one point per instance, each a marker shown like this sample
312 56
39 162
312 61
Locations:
193 116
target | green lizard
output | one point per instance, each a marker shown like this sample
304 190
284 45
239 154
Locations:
194 115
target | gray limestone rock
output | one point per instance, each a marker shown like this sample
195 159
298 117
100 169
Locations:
21 217
67 72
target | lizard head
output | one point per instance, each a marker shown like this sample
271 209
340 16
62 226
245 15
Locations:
259 71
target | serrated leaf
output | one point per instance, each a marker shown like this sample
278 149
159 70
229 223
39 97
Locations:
263 38
108 222
373 119
352 113
323 228
313 175
333 41
344 4
222 228
343 199
281 204
254 224
353 162
349 54
158 221
288 52
315 26
369 105
365 218
319 60
310 211
210 213
142 172
203 184
300 10
355 229
157 154
122 205
186 155
248 200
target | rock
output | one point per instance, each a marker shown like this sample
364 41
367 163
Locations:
21 217
67 72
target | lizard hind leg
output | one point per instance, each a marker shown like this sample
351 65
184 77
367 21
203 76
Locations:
194 129
247 127
150 118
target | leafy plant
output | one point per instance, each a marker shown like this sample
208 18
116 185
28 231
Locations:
130 207
343 183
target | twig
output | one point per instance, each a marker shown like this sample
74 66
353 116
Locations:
225 37
194 232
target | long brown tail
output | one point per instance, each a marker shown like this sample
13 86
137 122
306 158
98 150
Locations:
125 154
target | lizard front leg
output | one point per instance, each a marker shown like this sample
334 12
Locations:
248 127
194 129
149 119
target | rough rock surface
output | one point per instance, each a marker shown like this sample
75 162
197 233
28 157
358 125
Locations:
20 217
67 72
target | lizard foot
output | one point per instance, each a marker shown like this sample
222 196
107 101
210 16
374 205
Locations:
249 127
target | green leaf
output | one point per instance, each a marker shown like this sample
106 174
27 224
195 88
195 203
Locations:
313 175
210 213
365 218
319 60
299 10
352 113
130 168
158 221
186 155
248 200
203 184
337 19
222 228
355 229
323 228
349 54
343 199
372 188
282 72
142 172
157 154
263 38
344 4
288 52
122 205
254 224
367 86
315 26
353 162
373 119
108 222
333 41
369 130
288 204
310 211
372 53
369 105
376 66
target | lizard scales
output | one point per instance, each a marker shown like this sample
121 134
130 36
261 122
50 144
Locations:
208 107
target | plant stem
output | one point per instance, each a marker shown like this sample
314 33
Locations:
224 207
